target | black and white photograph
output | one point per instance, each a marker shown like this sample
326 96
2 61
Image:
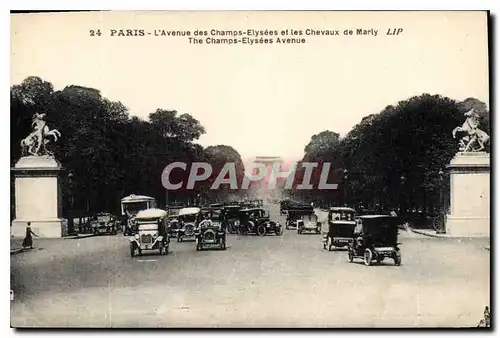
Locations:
250 169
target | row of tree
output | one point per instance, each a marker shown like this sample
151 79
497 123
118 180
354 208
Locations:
109 153
388 159
393 159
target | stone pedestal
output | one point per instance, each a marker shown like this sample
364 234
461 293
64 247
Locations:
38 197
469 195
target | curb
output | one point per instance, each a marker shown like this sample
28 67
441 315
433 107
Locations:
16 251
79 236
435 235
428 234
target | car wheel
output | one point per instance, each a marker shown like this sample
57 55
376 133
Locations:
223 244
397 258
279 230
132 250
380 259
368 257
261 230
350 255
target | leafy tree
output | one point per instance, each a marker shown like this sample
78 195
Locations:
321 149
322 144
394 157
109 153
218 156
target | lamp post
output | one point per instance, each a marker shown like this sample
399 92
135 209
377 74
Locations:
346 182
71 226
441 204
402 195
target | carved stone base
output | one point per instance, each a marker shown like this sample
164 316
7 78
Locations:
468 226
470 195
47 228
38 197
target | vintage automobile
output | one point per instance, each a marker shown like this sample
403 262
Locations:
151 232
256 203
104 223
172 218
210 231
256 220
308 223
340 229
286 205
130 206
230 218
376 240
294 215
188 219
216 206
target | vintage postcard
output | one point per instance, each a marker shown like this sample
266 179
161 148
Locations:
250 169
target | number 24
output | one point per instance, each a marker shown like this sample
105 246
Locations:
94 33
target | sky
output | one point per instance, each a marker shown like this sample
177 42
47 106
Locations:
265 99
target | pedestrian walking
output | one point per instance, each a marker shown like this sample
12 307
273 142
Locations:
28 240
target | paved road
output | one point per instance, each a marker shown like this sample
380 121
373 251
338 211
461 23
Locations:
287 281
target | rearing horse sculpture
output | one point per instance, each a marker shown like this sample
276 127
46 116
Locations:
35 143
474 134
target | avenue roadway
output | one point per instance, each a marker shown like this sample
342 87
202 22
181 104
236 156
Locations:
287 281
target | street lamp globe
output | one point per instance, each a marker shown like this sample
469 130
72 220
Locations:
346 174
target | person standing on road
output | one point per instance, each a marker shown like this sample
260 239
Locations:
28 240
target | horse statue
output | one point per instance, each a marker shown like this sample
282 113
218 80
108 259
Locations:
472 133
35 143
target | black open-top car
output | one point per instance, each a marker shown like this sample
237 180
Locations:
376 237
295 215
230 217
210 231
104 223
256 220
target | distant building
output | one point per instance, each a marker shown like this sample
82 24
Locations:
260 188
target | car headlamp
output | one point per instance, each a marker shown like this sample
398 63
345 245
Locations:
136 236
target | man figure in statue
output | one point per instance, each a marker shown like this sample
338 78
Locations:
35 143
473 133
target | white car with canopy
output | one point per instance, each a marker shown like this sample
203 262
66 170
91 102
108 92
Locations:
151 233
188 219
